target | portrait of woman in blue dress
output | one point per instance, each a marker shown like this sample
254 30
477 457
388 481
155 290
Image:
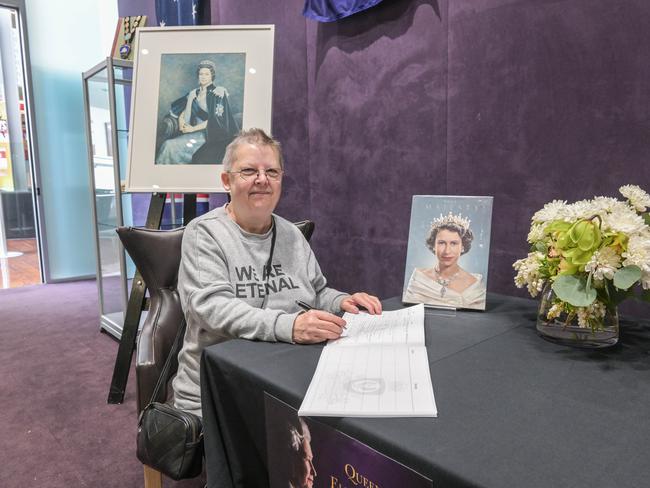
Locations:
199 125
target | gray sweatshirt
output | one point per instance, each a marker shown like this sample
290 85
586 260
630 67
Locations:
222 285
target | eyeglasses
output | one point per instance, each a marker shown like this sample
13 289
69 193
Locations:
246 173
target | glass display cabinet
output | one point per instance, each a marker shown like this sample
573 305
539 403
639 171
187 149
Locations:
107 91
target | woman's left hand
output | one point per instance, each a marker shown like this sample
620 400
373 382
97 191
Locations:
353 303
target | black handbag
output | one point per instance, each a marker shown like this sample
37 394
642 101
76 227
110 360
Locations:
170 440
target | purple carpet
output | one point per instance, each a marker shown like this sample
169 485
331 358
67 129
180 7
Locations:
56 429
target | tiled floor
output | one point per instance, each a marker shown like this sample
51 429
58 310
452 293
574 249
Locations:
22 270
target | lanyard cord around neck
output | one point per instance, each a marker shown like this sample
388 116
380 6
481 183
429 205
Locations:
267 266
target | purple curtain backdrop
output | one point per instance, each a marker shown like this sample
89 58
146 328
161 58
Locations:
525 100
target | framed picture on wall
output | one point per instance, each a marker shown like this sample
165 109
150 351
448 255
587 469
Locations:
194 88
448 251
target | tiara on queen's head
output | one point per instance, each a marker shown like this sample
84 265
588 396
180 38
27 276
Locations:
451 219
207 62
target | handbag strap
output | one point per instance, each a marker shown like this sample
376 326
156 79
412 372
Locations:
162 379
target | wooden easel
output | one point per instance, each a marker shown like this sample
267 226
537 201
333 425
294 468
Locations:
137 302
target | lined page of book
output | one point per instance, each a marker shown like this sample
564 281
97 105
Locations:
405 326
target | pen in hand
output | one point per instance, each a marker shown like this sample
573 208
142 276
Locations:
323 317
305 306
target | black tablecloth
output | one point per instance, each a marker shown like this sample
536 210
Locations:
513 409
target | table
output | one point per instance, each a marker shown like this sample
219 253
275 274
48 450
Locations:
514 409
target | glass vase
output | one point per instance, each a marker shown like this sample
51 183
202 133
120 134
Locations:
564 329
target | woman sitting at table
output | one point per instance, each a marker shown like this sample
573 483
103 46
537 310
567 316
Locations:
244 269
446 283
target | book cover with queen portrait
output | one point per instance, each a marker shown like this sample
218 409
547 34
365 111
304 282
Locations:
448 251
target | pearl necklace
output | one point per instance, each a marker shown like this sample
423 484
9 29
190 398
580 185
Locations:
444 282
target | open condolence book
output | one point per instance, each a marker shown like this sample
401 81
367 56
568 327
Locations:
378 368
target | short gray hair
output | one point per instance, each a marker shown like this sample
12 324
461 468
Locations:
256 137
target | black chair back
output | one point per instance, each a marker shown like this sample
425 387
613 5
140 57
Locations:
157 255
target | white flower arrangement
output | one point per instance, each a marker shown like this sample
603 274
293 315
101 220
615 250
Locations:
637 197
593 253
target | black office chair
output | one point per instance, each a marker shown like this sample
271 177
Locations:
157 255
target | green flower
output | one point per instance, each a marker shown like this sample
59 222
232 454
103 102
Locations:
576 243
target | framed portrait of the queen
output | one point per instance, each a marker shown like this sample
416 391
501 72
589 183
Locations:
448 251
194 89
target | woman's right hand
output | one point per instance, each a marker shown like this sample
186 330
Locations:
316 326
